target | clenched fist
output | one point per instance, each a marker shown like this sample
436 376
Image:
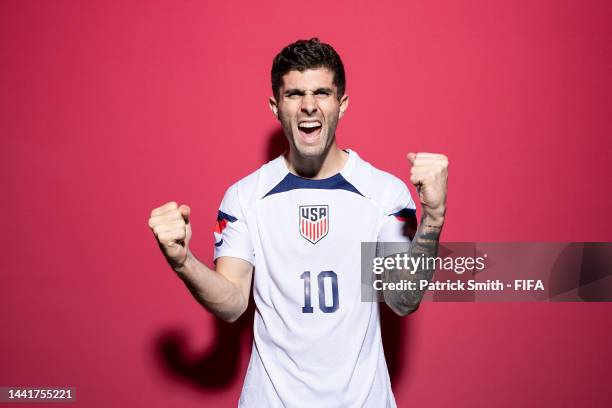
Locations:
170 224
429 174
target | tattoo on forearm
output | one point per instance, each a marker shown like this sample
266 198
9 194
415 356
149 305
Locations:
424 244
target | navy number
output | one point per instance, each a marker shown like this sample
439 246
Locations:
321 280
307 304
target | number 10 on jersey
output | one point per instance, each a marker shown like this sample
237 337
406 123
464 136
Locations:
321 289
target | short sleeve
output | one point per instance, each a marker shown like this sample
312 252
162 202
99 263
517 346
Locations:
231 232
399 223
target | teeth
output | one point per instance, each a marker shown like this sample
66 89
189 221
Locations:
309 124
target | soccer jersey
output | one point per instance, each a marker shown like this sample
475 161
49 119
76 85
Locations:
316 343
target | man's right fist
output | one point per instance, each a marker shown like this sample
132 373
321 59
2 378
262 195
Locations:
170 224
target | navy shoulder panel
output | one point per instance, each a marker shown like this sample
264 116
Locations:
293 182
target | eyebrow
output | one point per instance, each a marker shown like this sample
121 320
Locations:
292 91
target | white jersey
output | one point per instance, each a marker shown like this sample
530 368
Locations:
316 344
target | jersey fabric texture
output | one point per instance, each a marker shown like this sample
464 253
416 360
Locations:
316 343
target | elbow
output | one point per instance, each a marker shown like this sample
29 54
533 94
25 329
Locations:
406 310
401 309
410 310
231 316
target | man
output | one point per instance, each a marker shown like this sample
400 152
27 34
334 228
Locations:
300 220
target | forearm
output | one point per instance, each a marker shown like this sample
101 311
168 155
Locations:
212 290
424 245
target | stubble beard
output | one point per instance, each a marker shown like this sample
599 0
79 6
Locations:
312 153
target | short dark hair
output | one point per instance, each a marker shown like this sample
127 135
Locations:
307 54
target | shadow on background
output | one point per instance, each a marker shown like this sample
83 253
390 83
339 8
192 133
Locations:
582 272
277 144
219 366
396 333
216 368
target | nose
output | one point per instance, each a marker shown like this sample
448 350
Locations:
309 104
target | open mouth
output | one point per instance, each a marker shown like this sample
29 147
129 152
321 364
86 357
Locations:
310 130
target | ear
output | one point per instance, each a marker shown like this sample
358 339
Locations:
273 106
344 102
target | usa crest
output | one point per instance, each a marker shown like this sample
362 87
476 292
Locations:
314 222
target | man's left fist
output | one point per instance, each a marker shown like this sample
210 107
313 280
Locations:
429 174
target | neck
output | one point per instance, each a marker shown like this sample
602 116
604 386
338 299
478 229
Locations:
320 167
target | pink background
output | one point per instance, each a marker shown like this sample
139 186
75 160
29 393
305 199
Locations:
108 109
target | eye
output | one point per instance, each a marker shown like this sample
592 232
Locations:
322 94
293 95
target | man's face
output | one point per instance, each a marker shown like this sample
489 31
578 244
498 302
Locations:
308 109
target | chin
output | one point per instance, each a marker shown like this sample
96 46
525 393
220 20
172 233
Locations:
311 151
